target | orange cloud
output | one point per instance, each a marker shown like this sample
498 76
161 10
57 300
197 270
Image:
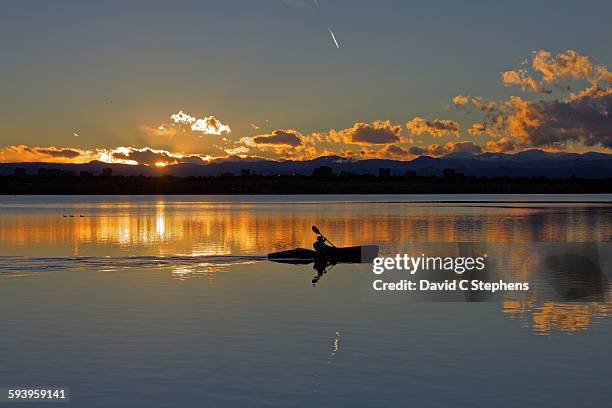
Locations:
397 152
521 78
502 145
237 151
126 155
376 133
569 65
482 105
437 127
564 65
583 118
52 154
280 137
460 100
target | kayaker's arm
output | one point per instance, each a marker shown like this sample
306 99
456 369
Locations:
316 230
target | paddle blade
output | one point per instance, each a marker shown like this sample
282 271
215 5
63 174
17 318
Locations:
316 230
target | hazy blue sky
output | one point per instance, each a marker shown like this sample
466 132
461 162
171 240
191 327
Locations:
105 69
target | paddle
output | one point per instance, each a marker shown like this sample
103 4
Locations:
316 231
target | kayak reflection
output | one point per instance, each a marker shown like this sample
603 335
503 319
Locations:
321 266
323 262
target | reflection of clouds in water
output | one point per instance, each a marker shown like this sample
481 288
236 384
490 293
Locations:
554 316
570 288
248 228
210 234
569 283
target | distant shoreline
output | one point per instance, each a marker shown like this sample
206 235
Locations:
296 185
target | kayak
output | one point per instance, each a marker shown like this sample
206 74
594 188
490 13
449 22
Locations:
354 254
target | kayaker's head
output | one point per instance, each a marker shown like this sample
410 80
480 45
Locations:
320 238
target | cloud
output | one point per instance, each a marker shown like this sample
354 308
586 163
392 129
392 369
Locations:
279 137
159 131
569 65
464 146
585 119
396 152
564 65
236 151
417 151
195 159
592 91
582 116
406 153
208 125
479 128
23 153
182 117
575 114
521 78
54 152
376 133
460 100
482 105
146 156
502 145
442 150
127 155
436 127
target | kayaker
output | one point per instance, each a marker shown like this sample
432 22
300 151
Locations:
320 246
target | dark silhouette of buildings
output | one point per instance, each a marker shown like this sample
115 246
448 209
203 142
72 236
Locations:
384 172
245 173
323 172
49 172
323 181
107 172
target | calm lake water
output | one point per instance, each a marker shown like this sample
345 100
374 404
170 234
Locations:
169 301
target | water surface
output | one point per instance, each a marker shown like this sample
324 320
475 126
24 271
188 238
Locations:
169 301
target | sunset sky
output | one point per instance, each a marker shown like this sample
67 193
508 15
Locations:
190 81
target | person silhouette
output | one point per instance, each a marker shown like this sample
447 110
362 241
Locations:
320 246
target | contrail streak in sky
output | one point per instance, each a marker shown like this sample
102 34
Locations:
334 38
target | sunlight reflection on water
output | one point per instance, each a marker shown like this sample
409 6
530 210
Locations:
192 238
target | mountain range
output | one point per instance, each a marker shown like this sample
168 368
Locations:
528 163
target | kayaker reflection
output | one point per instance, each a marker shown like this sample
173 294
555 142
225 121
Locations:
321 267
